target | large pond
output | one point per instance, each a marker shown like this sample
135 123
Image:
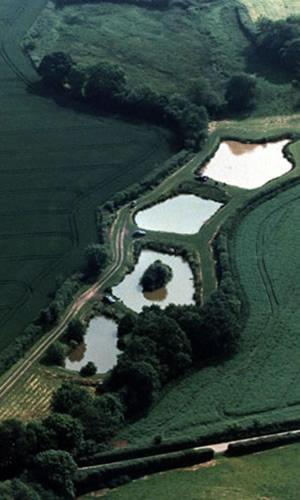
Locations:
99 346
183 214
178 291
248 165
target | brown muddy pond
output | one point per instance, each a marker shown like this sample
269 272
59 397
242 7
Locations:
99 346
248 166
183 214
178 291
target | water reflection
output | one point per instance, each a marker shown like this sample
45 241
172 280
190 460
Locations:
157 295
248 165
183 214
99 346
179 290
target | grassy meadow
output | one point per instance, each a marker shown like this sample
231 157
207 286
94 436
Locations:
163 49
57 164
270 474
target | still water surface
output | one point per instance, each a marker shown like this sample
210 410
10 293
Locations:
248 165
99 346
178 291
183 214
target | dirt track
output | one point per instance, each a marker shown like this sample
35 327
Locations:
40 347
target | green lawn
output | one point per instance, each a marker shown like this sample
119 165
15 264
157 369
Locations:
268 475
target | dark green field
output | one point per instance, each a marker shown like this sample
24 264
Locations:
56 166
269 475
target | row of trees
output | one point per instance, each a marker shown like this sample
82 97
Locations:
40 453
105 86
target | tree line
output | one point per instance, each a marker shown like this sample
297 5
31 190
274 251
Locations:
105 86
278 42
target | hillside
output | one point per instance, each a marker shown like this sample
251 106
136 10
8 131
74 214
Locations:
279 9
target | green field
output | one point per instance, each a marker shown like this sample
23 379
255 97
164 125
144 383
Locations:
163 49
268 475
279 9
57 164
58 167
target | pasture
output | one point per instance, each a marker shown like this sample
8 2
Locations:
57 164
160 48
280 9
271 474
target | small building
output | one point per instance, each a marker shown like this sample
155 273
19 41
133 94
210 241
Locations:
139 233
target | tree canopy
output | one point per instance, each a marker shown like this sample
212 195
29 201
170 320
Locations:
240 92
156 276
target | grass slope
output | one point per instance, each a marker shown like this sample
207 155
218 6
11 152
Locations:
279 9
272 474
57 165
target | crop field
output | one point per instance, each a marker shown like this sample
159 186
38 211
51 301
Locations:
159 48
57 164
271 474
261 382
31 397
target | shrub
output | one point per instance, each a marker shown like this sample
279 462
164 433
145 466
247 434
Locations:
88 370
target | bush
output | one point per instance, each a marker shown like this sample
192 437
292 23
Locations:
240 93
55 354
55 67
55 469
96 258
156 276
75 331
88 370
246 447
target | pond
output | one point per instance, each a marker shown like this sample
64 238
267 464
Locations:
183 214
178 291
248 166
99 346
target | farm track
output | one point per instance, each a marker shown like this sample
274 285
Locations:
39 349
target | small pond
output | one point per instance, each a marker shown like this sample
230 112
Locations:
248 166
99 346
183 214
178 291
